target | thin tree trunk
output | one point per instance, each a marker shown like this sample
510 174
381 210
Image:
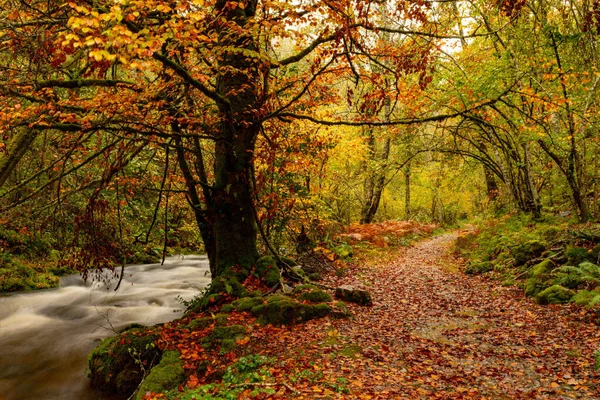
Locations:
407 210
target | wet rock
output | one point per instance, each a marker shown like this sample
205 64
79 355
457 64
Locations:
352 295
117 365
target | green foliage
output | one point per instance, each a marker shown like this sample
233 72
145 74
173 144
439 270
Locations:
526 251
315 296
586 298
119 363
596 355
267 269
168 374
246 303
249 369
511 240
577 255
281 310
586 274
304 288
343 250
15 275
538 277
476 268
555 294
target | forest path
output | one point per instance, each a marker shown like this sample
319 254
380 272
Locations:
434 332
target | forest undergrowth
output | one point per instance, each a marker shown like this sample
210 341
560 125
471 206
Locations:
431 332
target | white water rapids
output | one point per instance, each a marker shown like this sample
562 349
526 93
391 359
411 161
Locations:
46 336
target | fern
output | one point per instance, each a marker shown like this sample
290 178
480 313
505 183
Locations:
586 274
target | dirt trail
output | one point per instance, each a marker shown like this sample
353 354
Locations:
434 333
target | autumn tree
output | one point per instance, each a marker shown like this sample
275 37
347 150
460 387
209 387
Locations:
206 79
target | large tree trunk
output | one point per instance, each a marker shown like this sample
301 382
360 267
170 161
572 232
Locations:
234 227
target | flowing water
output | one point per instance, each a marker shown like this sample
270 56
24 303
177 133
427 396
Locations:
46 336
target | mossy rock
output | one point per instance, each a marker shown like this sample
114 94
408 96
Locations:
289 312
167 375
555 294
352 295
200 323
304 288
116 364
315 296
266 268
527 251
479 267
246 303
227 346
278 297
539 277
228 332
340 310
223 337
227 308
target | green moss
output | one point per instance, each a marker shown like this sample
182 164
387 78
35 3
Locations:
288 261
344 250
230 285
479 267
288 312
577 255
555 294
208 301
315 296
200 323
246 303
586 297
16 276
539 277
528 250
267 269
277 298
352 295
168 374
227 308
228 332
227 346
116 364
304 288
350 351
586 274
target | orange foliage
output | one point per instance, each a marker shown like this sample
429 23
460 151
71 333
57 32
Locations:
382 233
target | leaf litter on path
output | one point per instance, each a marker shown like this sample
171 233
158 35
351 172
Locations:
437 334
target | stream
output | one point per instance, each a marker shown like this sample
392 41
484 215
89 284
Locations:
46 336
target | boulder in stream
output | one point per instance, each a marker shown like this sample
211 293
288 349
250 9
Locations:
119 363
